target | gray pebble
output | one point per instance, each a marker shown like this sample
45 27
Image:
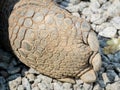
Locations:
101 83
114 8
73 1
4 65
14 76
2 83
111 75
13 70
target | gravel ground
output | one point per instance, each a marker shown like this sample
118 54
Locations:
104 17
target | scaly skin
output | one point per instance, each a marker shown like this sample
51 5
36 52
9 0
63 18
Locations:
48 39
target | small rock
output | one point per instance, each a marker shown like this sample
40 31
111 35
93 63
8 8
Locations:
26 84
102 1
67 86
83 5
23 72
4 65
33 71
117 57
114 8
36 81
114 86
105 6
94 4
97 87
100 27
2 86
116 22
14 76
15 83
78 87
30 77
105 78
57 86
20 87
110 67
111 75
87 86
13 70
2 80
108 87
42 86
35 88
101 83
4 73
109 32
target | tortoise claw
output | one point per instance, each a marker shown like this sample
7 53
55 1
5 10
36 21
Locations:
89 76
96 62
93 41
68 80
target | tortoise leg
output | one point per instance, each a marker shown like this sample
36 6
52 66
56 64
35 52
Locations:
89 76
68 80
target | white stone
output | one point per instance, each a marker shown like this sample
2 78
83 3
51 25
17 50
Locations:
87 86
109 32
115 86
67 86
100 27
97 87
35 88
105 78
42 86
26 84
20 87
102 1
116 22
83 5
114 8
30 77
73 8
57 86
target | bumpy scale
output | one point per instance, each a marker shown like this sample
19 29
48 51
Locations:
52 41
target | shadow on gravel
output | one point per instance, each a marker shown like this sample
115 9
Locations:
10 67
6 6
